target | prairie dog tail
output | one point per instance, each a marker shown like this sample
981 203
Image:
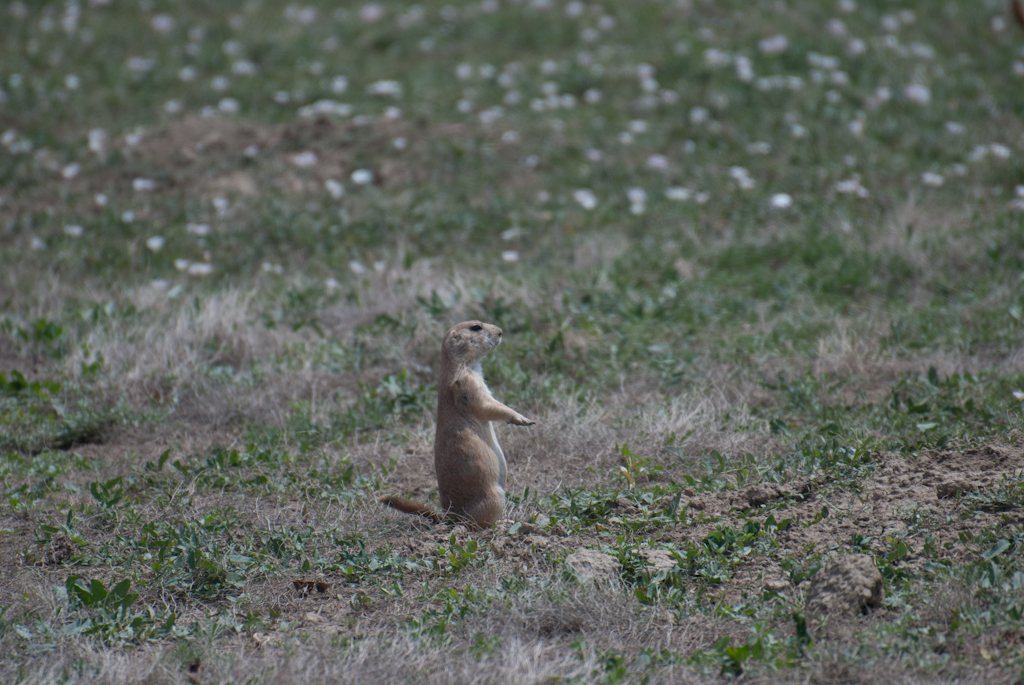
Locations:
409 507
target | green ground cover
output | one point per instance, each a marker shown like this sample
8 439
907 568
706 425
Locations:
759 268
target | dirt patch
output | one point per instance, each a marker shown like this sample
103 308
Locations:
194 139
208 157
892 505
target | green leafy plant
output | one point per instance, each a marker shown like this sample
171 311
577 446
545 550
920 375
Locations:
461 556
763 646
109 615
635 468
1006 495
18 384
107 493
47 336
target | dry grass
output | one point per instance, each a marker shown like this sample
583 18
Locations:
380 658
389 658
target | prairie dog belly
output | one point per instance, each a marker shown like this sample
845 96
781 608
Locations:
488 434
492 437
470 459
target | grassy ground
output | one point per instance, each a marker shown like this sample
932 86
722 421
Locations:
731 244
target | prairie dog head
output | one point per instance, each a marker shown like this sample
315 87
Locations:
467 342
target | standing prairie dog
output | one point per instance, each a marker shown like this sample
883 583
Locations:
467 457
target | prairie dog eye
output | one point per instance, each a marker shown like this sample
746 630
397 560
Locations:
476 327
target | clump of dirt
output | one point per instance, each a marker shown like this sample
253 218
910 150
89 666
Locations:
60 549
593 566
954 473
953 488
762 494
847 586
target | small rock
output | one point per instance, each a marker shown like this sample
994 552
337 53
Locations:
804 489
847 586
559 530
442 534
537 540
757 495
626 506
420 547
953 488
661 559
664 502
529 529
591 565
776 584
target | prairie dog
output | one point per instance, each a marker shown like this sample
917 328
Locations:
467 457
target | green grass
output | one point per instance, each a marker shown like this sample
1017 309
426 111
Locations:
203 394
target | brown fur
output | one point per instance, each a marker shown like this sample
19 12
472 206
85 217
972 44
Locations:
409 507
1018 11
467 457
